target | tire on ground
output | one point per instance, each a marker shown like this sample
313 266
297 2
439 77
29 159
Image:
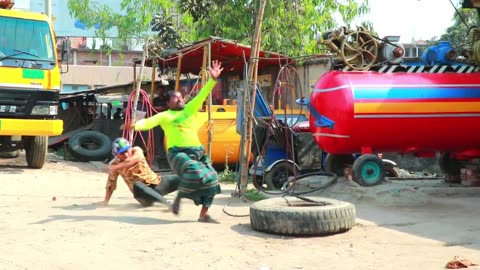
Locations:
36 151
79 145
301 217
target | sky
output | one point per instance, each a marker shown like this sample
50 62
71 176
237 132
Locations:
410 19
417 19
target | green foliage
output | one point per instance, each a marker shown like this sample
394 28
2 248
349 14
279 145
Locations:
255 195
227 176
457 33
133 21
290 27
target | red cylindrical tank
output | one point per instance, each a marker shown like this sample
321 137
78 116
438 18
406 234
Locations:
361 112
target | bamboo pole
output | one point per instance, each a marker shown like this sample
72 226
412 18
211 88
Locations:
249 101
152 93
138 81
179 72
153 84
206 62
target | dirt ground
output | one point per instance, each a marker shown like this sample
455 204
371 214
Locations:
48 221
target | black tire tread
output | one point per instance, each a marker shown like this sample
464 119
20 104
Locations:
36 151
269 216
100 154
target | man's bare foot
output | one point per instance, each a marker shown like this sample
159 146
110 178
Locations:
208 219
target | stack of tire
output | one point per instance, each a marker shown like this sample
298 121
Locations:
90 145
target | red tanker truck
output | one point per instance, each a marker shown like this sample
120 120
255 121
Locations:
369 106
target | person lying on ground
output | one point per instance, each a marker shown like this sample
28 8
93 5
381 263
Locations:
130 163
186 155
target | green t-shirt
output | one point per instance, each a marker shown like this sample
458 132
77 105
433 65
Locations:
180 127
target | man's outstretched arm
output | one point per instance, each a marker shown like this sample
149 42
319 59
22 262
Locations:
196 103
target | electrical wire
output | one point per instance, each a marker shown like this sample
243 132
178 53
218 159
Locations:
145 106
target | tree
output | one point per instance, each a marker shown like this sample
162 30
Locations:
457 34
132 22
289 27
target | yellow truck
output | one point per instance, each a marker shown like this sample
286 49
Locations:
29 84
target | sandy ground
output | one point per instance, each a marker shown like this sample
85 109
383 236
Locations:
401 225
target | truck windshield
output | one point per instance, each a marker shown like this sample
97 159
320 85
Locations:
25 40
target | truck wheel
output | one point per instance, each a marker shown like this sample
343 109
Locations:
10 154
449 165
336 163
278 175
294 216
36 151
90 145
368 170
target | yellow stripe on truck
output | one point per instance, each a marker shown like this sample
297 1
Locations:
31 127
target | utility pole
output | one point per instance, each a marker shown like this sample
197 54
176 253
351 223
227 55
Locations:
249 101
48 8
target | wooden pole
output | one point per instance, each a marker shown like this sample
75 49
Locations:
249 101
153 84
179 72
138 82
207 55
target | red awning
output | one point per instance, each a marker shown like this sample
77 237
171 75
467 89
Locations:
232 55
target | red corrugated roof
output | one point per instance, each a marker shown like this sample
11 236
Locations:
232 55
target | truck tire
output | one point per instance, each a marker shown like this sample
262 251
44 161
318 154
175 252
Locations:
36 151
294 216
10 154
90 145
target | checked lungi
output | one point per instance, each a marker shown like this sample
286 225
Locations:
199 179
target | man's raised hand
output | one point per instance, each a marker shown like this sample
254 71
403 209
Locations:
216 69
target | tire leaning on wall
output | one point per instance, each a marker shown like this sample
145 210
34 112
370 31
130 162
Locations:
293 216
89 145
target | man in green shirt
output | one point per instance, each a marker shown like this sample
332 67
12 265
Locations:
186 155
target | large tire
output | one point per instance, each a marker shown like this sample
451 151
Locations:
36 151
278 175
293 216
10 154
90 145
368 170
336 163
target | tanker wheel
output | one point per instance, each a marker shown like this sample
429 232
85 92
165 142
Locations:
449 165
368 170
336 163
359 50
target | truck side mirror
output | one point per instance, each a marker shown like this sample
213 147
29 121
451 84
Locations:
66 46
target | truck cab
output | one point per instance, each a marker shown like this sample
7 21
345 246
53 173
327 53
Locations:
29 84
